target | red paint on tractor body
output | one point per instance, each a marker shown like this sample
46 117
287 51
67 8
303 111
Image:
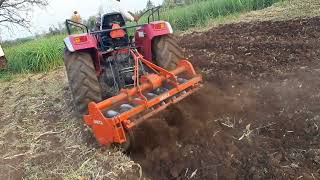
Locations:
149 32
144 37
88 42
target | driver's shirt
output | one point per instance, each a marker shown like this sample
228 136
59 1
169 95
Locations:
110 6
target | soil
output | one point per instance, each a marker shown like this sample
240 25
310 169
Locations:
40 137
257 117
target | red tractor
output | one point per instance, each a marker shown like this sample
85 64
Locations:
118 82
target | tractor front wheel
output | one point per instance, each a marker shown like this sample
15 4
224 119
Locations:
83 81
167 52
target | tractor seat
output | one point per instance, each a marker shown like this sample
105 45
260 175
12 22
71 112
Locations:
119 33
117 38
110 18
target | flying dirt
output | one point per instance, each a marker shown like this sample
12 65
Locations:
256 118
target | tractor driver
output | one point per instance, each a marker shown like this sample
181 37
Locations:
110 6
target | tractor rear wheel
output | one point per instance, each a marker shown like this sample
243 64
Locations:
167 52
83 81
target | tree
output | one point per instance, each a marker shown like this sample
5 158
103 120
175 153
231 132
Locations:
53 30
168 3
149 4
17 12
91 22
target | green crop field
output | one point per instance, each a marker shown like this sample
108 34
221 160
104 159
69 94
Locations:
38 55
197 14
46 53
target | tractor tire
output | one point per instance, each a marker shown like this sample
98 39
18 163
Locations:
167 52
83 81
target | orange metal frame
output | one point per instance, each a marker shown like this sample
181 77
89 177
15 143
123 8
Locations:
113 130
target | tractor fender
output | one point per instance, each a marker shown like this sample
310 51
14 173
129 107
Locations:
85 43
145 35
80 42
68 44
156 28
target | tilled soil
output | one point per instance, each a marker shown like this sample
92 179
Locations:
258 116
41 138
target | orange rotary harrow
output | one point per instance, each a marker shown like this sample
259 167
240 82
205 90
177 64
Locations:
112 119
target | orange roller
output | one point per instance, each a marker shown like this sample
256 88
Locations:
110 120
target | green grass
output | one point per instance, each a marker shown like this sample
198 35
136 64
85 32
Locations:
42 54
6 76
46 53
198 14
